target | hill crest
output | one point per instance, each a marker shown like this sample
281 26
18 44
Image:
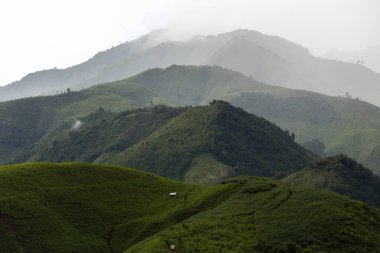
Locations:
167 141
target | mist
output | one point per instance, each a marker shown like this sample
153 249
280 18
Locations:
46 34
76 125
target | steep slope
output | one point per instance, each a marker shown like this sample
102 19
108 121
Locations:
55 81
268 58
76 207
342 175
343 125
248 144
98 134
36 117
244 56
24 122
170 141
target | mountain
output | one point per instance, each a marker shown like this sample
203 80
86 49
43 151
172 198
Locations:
78 207
342 175
370 57
268 58
338 124
56 81
171 142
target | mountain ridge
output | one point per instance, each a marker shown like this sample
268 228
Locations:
300 69
166 140
343 125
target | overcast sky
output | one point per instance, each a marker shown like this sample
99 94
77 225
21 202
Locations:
43 34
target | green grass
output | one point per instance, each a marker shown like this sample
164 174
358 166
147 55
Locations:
205 169
268 216
74 206
79 207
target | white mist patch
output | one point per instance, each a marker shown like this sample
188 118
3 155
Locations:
77 124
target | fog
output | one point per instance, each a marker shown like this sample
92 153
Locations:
44 34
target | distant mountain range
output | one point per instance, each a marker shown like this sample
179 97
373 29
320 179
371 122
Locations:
267 58
369 57
338 124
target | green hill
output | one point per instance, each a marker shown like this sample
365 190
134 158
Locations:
97 134
77 207
342 175
178 143
246 143
342 125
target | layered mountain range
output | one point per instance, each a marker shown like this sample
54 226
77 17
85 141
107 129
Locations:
342 125
223 161
267 58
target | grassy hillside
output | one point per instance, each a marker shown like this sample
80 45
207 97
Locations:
87 208
268 216
178 143
342 175
78 207
343 125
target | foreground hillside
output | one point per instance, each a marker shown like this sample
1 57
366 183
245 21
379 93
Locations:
90 208
340 125
342 175
202 144
77 207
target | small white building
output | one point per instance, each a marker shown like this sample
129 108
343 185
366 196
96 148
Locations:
172 194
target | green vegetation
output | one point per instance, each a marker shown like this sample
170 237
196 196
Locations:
205 169
78 207
342 175
267 216
174 143
99 134
315 146
249 144
343 125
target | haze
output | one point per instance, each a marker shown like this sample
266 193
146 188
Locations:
44 34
